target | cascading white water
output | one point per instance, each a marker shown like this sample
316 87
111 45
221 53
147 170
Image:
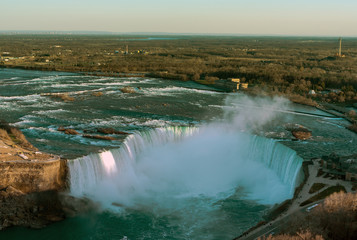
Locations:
87 172
281 159
182 162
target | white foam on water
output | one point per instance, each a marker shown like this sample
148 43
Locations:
50 112
27 98
168 91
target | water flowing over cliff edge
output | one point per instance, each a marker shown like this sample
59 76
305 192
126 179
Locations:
176 163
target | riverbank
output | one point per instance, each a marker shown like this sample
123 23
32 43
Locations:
256 90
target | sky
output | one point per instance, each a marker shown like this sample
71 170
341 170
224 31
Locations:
248 17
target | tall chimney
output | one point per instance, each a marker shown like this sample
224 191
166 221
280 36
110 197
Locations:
340 49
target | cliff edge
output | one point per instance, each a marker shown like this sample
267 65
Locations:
29 182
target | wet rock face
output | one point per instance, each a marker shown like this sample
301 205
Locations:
68 131
39 209
35 210
71 132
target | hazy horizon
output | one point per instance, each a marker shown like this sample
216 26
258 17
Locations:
226 17
144 34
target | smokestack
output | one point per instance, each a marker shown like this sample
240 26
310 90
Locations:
340 49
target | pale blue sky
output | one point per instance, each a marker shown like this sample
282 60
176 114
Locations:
283 17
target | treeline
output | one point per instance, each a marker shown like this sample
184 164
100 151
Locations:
286 65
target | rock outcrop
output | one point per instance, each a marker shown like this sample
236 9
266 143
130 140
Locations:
127 90
301 133
298 131
97 94
35 210
69 131
29 182
62 96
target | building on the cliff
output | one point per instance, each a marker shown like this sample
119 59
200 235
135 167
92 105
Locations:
344 167
244 85
236 80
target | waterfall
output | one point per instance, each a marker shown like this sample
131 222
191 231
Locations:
282 160
187 161
86 172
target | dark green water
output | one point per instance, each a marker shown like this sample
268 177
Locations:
156 103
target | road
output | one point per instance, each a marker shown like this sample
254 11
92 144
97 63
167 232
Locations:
274 226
